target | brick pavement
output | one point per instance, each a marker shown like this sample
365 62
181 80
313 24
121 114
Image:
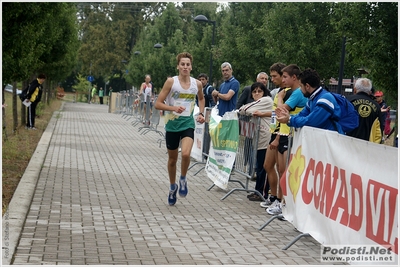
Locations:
101 198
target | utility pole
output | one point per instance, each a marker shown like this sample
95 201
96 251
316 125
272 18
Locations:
90 82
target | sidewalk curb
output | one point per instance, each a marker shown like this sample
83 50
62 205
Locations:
15 216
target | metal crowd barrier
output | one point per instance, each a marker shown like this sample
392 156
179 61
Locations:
128 108
280 216
146 113
139 109
154 121
118 103
246 156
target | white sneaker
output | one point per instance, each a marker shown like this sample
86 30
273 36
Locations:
266 203
275 208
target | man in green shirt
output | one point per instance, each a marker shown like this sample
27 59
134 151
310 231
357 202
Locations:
101 95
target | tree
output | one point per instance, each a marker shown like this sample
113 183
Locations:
82 87
301 33
30 35
373 42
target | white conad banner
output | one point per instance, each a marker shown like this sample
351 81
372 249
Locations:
342 190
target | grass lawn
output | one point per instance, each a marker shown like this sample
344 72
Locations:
19 147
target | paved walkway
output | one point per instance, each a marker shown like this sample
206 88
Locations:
101 198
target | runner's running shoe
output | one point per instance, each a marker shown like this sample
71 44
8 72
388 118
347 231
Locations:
183 190
172 196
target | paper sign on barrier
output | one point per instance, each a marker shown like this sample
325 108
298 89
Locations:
224 134
197 148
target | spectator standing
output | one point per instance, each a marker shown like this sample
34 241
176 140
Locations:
271 158
34 95
207 90
260 107
246 95
322 111
246 98
294 104
178 97
228 91
385 114
101 95
369 111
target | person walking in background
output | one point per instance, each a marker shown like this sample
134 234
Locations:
101 95
94 91
228 91
178 98
146 89
260 107
207 90
369 111
34 95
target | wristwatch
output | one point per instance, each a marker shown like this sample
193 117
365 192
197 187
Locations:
201 113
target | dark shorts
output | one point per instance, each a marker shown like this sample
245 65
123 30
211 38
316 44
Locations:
172 139
283 143
273 136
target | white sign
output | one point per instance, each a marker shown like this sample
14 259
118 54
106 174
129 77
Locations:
342 190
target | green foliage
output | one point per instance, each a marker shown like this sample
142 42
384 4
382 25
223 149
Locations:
33 37
251 36
82 86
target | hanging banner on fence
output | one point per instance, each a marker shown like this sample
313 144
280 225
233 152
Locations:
224 134
341 190
197 148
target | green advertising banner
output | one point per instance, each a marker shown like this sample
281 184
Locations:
224 132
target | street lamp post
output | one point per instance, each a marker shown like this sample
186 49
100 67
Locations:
362 71
202 18
126 71
90 79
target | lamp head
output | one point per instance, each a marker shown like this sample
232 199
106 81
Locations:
201 18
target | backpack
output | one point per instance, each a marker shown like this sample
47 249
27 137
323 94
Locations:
349 116
208 96
24 94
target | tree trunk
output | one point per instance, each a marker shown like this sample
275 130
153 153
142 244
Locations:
48 90
15 107
4 115
23 108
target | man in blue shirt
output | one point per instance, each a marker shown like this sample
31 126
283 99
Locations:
321 109
228 91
